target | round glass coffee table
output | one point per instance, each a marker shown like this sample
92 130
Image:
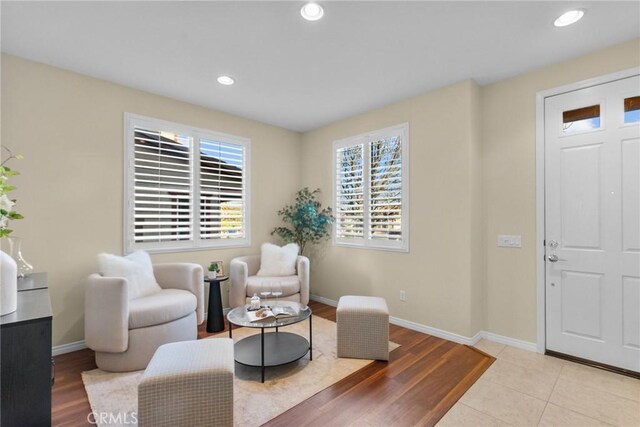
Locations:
269 349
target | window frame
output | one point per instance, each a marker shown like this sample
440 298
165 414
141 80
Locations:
131 121
366 242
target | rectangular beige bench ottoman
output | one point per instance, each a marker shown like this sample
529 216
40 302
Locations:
188 383
363 327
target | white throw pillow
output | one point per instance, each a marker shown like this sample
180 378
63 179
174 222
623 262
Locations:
278 261
135 267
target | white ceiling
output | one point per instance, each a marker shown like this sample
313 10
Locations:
301 75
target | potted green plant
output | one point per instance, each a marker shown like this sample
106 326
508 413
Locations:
214 268
308 221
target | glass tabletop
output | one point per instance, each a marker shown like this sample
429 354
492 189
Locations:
238 316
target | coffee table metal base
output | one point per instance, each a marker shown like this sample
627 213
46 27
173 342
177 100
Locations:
280 348
268 349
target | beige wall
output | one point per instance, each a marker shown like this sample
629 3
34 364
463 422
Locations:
436 273
508 144
70 129
472 178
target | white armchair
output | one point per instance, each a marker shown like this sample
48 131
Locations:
125 333
244 282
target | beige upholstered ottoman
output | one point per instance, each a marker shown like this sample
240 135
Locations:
363 327
188 383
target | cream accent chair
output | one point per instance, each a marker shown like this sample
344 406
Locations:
126 333
245 283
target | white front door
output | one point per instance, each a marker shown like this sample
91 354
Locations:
592 223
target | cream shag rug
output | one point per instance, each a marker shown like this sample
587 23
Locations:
114 396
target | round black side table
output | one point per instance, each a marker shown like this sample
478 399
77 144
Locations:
215 319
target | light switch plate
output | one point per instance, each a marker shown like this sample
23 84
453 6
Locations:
509 241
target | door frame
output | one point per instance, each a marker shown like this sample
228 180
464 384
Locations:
541 343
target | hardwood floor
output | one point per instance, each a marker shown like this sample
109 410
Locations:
421 381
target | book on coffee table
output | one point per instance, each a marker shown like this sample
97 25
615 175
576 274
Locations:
274 313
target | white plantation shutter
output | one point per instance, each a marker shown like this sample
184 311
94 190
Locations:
349 224
371 190
385 189
222 190
169 168
162 186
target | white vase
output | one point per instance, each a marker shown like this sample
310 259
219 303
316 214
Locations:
8 284
212 274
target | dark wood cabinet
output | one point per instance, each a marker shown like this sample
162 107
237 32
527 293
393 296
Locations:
25 361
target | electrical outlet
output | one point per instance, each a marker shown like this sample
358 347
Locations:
403 296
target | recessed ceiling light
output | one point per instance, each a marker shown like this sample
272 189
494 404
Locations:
226 80
312 11
568 18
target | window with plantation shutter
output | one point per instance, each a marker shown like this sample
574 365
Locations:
349 193
186 188
222 190
163 184
371 189
385 189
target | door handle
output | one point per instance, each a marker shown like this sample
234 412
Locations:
555 258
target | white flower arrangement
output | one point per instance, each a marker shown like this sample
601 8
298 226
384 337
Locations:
6 204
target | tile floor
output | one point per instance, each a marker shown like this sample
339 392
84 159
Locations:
522 388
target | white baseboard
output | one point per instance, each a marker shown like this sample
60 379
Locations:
513 342
460 339
324 300
68 348
477 337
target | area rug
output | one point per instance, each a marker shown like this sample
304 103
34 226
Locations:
114 400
